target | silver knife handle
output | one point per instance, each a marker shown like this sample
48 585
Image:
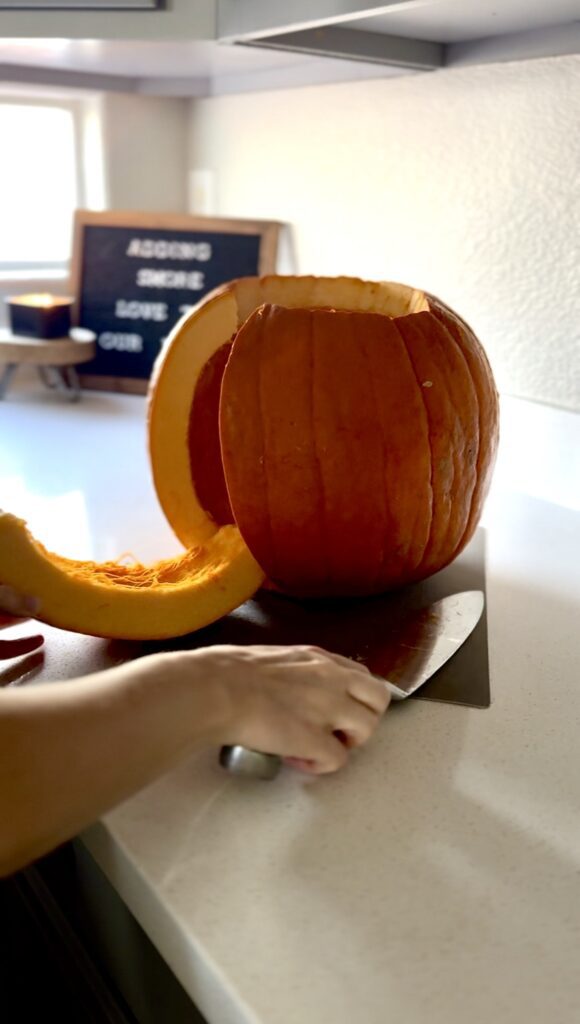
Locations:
250 763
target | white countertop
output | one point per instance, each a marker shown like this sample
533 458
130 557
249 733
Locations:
436 880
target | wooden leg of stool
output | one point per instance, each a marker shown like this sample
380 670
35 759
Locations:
6 377
74 384
62 378
45 374
59 380
66 381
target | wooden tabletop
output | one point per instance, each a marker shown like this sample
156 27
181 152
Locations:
79 347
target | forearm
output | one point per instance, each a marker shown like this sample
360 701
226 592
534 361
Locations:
71 751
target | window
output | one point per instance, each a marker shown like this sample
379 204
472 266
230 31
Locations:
39 184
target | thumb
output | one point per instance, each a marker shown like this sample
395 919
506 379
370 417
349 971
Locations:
17 604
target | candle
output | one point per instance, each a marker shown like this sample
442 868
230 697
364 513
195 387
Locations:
40 300
40 315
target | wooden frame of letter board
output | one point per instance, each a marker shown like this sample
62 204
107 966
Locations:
268 232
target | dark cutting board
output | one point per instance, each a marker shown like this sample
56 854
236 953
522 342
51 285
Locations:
363 629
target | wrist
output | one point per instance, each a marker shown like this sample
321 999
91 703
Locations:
198 681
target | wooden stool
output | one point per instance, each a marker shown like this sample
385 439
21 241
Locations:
55 359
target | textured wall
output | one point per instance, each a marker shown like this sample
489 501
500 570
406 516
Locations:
465 182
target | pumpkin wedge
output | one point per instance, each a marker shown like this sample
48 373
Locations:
347 428
132 602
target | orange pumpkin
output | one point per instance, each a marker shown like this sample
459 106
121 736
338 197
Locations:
347 428
336 434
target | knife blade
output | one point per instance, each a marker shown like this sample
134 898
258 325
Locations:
429 637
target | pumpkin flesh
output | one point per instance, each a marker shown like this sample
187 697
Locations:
132 602
203 440
194 340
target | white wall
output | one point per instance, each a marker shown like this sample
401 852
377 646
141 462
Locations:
465 182
145 145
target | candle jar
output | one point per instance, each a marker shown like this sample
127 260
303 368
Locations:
40 316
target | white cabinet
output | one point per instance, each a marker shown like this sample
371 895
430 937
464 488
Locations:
413 33
173 19
208 47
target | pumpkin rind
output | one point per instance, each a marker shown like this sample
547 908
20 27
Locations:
348 443
204 440
193 341
132 602
487 406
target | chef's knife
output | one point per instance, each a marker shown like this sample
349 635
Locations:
427 639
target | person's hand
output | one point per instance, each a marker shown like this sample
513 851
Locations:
304 704
13 608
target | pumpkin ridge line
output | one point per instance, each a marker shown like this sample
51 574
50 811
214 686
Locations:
465 532
455 461
323 532
386 517
428 425
455 323
264 447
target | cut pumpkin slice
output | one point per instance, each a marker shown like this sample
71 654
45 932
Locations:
132 602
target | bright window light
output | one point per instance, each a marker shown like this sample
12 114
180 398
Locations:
38 185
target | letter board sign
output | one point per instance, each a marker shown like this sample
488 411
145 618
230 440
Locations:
134 275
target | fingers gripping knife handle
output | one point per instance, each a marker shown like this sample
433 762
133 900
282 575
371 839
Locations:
441 628
253 764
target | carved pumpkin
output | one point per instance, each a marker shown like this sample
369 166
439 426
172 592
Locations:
336 435
347 428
